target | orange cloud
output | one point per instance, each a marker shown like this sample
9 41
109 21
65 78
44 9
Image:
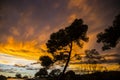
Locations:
14 31
71 18
29 32
88 12
76 3
28 49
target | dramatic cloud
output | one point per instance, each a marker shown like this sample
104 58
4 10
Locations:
32 21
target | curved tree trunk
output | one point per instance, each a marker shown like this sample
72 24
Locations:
68 60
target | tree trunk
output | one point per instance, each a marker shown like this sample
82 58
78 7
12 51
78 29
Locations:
68 60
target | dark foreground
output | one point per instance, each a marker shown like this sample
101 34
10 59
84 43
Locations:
111 75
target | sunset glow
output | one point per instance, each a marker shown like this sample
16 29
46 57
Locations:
28 50
26 26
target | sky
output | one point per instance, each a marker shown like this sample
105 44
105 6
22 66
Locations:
12 60
10 65
25 25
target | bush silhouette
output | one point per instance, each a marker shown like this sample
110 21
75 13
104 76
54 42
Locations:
42 73
2 77
18 75
70 75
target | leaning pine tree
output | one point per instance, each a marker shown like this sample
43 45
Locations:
62 41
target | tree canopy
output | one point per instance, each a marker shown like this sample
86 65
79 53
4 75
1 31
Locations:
62 40
111 35
75 32
93 56
46 61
